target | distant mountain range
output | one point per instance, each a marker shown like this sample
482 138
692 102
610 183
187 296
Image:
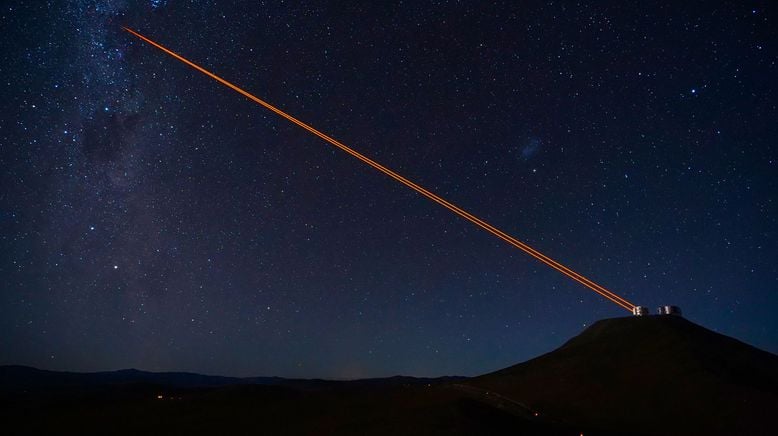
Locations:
24 378
636 375
18 379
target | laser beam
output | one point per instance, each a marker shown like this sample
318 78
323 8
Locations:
419 189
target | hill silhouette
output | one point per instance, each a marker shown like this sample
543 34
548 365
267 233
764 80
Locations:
636 375
653 375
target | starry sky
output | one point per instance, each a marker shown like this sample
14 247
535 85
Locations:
152 218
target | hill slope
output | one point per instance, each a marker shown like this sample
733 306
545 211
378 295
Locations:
653 375
646 375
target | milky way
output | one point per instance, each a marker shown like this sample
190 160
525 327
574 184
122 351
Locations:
150 218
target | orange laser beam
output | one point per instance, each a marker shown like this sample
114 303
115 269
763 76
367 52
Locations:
430 195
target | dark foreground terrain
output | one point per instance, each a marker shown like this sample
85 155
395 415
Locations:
649 375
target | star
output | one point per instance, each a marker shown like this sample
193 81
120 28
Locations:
219 211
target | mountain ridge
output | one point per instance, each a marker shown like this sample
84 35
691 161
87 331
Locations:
16 377
647 375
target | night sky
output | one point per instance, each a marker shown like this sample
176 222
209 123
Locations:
152 218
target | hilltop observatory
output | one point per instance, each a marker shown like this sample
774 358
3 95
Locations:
640 311
669 310
662 310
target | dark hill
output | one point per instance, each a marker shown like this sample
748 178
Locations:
133 402
637 375
652 375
